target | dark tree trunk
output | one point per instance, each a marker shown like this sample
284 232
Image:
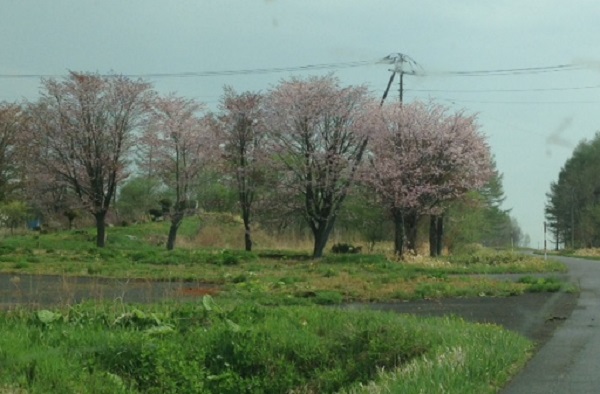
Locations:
436 235
100 228
440 235
321 233
176 220
411 221
398 233
247 238
433 236
247 230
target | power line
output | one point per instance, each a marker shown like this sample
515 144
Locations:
511 71
309 67
330 66
504 90
520 102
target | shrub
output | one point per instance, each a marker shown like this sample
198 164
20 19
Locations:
345 248
7 249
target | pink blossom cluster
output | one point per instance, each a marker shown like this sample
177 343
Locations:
421 155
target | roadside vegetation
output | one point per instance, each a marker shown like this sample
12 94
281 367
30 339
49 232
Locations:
272 327
586 253
271 275
240 347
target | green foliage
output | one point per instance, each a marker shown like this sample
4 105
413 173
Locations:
573 208
272 351
328 298
14 213
355 259
363 215
215 195
538 285
488 257
457 363
187 256
206 347
138 196
283 255
495 262
479 218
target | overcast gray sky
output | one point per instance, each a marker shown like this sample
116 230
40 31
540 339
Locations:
532 120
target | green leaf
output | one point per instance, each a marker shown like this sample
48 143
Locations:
160 330
233 326
207 301
47 317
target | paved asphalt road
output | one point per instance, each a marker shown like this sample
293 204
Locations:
570 361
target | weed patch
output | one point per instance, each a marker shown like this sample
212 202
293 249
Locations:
538 285
245 348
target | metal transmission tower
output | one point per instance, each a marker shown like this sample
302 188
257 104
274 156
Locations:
403 64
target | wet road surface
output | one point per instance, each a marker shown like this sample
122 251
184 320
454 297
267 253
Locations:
569 362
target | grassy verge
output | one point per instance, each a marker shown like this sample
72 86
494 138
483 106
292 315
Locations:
245 348
267 275
278 339
585 253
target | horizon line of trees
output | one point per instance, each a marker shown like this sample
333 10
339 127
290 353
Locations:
300 150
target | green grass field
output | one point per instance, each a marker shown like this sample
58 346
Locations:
267 331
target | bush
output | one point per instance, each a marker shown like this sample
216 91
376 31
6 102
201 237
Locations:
345 248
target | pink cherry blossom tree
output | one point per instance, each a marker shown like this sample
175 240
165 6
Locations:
421 157
180 140
11 122
317 132
80 133
241 132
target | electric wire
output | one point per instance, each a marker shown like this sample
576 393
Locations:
503 90
329 66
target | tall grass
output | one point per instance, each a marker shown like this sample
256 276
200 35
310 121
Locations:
463 359
245 348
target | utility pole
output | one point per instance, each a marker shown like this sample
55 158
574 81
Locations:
402 64
545 245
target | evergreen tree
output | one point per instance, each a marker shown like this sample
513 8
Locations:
573 207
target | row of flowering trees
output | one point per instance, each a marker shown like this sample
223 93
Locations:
309 140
